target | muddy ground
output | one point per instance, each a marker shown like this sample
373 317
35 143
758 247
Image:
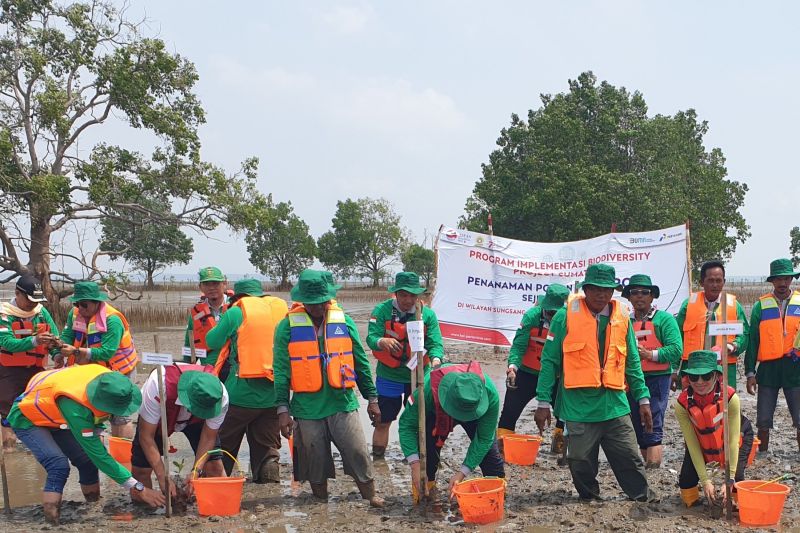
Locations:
538 498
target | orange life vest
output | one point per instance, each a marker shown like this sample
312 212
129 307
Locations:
776 333
694 325
532 358
255 337
124 359
38 402
395 329
707 420
646 336
581 351
203 321
22 328
305 359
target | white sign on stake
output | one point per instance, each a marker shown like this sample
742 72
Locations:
151 358
725 328
199 353
412 363
416 335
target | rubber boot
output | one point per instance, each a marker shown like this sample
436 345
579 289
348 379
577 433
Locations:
502 432
91 492
653 457
270 471
557 443
763 436
367 490
378 451
690 496
430 487
51 502
320 490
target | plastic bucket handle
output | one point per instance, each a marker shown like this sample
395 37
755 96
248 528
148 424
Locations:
205 455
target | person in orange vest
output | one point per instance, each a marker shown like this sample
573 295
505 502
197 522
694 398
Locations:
244 336
660 349
592 349
694 315
698 409
774 326
205 314
387 338
98 333
26 338
59 418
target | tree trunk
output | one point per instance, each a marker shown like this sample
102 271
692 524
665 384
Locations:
39 255
150 285
376 278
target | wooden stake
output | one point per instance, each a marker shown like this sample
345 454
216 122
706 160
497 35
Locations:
6 500
726 422
162 395
418 378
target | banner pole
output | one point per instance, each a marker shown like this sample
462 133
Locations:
689 253
495 347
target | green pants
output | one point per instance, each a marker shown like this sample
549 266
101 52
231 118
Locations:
618 440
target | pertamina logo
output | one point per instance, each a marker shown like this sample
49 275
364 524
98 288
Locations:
451 234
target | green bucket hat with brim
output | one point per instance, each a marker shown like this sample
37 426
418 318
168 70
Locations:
407 281
701 362
88 290
781 267
463 396
114 393
248 286
200 393
211 274
312 288
601 275
554 297
327 276
643 281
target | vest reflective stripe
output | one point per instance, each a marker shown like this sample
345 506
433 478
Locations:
255 337
645 332
694 325
36 356
396 330
776 333
532 358
581 351
707 422
203 321
124 359
38 402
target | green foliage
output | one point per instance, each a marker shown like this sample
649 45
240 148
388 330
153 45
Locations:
417 258
591 157
366 238
794 245
279 244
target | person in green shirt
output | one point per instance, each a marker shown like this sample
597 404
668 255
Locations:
387 338
593 371
660 348
777 357
319 335
247 344
26 337
524 362
55 419
455 394
204 315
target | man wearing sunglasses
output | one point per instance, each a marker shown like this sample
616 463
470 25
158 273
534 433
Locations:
660 348
775 324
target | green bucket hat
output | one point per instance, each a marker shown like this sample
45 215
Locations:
640 280
701 362
407 281
248 286
312 288
211 274
88 290
114 393
554 297
200 393
601 275
328 277
781 267
463 396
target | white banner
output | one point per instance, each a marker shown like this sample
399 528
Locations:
485 284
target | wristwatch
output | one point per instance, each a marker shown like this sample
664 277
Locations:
139 486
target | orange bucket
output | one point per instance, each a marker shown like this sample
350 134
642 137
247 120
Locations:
120 449
760 505
482 499
752 456
218 496
521 449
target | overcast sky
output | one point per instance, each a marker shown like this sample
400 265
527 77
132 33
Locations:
406 99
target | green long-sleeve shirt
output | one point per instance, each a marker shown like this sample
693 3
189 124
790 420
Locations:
588 404
484 434
109 341
669 335
211 355
254 393
783 372
79 419
10 343
531 319
327 401
377 330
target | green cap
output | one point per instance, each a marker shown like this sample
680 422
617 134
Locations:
312 288
601 275
407 281
211 274
329 278
701 362
643 281
463 396
88 290
114 393
200 393
248 286
554 297
781 267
